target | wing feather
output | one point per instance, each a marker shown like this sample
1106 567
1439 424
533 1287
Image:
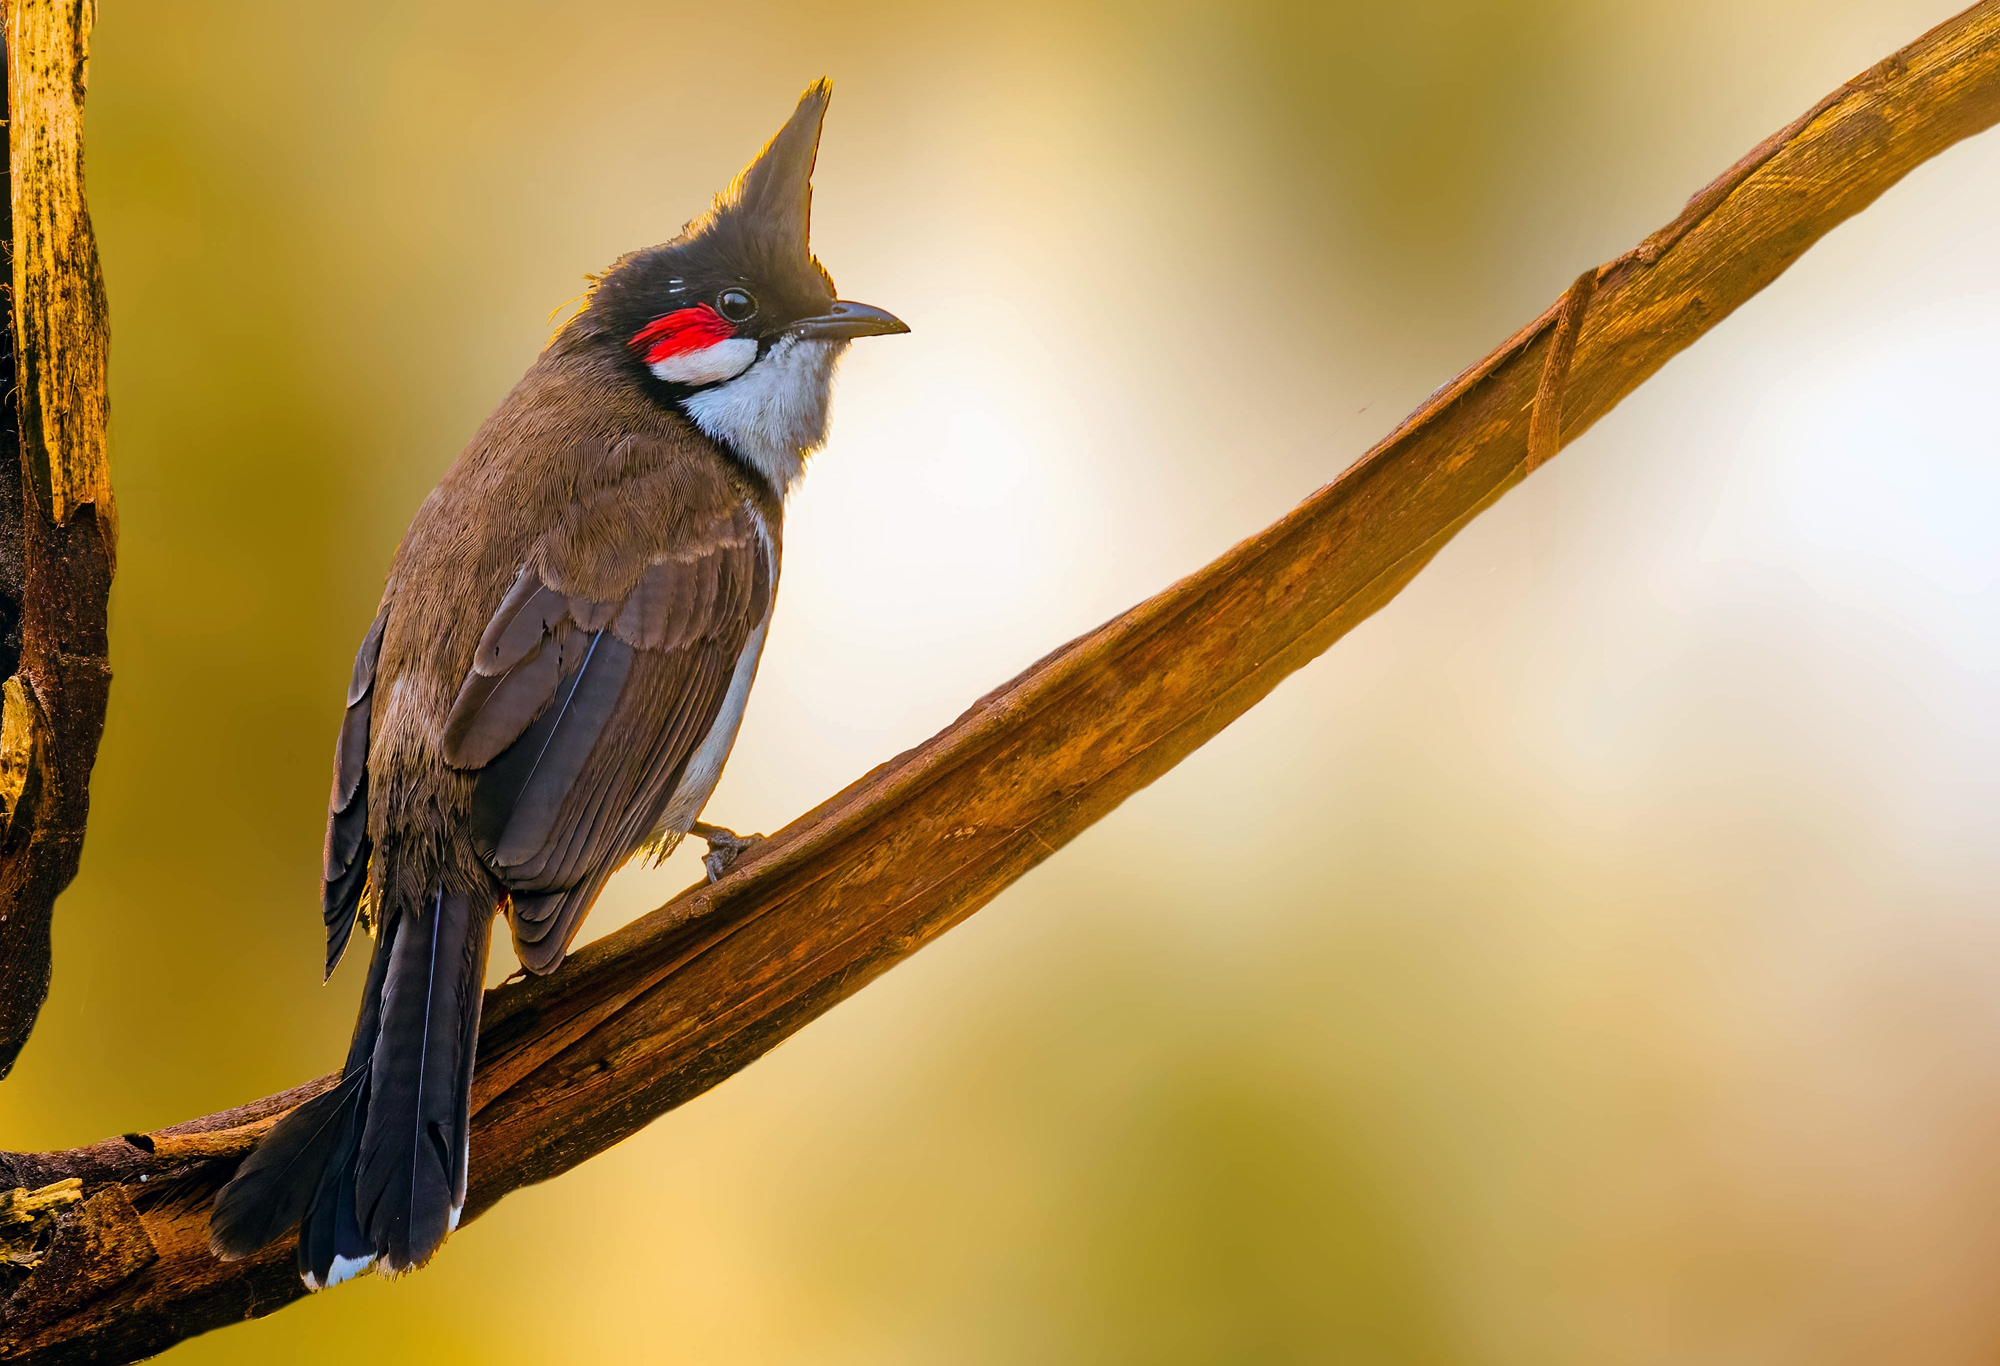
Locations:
525 615
493 710
344 864
598 676
536 774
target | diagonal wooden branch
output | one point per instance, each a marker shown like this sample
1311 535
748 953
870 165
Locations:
663 1009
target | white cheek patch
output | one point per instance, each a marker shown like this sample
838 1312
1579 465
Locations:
724 360
775 415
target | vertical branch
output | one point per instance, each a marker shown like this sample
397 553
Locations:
58 525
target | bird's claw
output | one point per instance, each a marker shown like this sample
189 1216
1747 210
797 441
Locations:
724 848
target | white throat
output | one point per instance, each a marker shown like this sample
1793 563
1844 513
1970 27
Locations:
774 413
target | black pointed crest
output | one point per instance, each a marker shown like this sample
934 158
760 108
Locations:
772 198
755 234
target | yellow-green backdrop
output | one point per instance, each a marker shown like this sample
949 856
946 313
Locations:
1595 958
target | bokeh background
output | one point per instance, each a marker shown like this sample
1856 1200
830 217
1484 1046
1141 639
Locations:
1595 958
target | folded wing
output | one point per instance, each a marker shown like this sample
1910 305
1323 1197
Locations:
595 681
347 847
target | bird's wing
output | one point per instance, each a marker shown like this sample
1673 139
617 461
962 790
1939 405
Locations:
597 679
346 859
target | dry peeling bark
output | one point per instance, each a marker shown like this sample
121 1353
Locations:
57 524
663 1009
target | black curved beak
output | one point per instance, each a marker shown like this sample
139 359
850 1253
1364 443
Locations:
845 320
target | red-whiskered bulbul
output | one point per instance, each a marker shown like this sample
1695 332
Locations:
553 681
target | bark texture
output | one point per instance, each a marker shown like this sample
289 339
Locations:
656 1013
57 523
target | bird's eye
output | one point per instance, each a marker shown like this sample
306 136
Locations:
735 304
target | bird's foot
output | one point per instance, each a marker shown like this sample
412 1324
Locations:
724 848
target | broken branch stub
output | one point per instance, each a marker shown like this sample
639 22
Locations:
57 521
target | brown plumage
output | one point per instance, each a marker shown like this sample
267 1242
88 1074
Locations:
622 538
552 682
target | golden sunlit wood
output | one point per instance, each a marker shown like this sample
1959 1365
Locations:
57 525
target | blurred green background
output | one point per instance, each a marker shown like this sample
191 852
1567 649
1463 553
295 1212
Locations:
1595 958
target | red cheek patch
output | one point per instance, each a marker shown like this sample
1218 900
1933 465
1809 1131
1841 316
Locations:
689 329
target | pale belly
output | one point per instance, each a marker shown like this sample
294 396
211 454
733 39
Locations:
704 769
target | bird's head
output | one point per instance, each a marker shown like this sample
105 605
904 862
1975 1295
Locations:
735 322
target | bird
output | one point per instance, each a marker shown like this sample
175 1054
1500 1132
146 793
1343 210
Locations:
555 676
